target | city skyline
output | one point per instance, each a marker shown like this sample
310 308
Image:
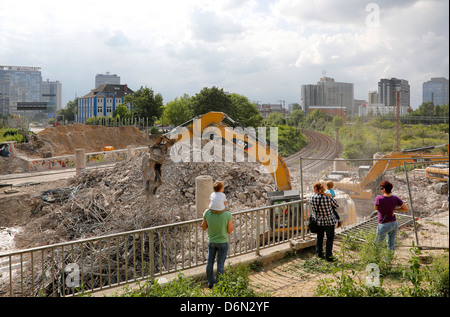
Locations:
264 50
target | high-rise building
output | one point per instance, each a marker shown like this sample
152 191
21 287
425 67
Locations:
328 92
19 84
390 89
104 79
51 93
436 90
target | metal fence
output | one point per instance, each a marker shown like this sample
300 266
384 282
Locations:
421 181
88 265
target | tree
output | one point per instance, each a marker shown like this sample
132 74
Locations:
69 111
211 99
246 113
274 119
121 112
145 103
177 111
297 116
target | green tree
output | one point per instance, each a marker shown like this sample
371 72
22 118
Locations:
211 99
145 103
246 113
297 117
69 111
177 112
274 119
121 112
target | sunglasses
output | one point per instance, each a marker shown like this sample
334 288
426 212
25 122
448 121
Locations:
381 188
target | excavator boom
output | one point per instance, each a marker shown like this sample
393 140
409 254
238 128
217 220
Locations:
213 124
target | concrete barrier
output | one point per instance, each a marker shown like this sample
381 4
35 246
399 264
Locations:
68 161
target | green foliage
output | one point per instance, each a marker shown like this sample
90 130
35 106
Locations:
145 103
177 112
121 112
211 99
290 140
69 111
233 283
9 134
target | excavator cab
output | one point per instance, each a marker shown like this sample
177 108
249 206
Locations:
284 218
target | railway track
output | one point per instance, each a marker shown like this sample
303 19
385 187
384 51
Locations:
319 147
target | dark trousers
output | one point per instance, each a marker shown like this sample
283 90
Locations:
321 230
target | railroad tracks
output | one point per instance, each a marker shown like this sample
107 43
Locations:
319 147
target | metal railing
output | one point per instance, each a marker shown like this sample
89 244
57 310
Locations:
89 265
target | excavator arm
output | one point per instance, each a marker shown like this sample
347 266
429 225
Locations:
213 124
365 188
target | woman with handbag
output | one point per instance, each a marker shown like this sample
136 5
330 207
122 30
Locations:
322 207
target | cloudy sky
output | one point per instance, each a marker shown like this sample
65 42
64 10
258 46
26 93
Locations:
262 49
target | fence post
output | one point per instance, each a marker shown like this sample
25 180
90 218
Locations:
258 231
151 255
410 202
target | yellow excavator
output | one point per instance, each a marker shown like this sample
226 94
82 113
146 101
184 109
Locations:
365 186
216 125
219 126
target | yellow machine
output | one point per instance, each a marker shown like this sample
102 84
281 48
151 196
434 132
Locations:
365 186
218 126
213 124
439 173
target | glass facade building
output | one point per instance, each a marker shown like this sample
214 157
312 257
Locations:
436 90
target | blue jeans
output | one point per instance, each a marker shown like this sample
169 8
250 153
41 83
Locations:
390 229
221 249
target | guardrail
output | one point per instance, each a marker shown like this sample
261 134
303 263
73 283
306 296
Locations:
100 263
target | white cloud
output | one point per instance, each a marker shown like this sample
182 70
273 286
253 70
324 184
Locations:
263 49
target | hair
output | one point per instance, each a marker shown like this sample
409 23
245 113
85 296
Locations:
319 187
387 186
330 184
218 186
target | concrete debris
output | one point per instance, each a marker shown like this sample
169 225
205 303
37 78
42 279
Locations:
110 201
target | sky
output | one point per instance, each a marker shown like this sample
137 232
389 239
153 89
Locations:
262 49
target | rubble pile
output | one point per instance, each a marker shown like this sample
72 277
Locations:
108 201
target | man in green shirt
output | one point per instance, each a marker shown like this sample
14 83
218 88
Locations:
219 224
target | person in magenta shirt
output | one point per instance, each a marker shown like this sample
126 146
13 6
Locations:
386 205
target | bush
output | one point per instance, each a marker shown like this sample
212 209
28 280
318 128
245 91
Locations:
8 134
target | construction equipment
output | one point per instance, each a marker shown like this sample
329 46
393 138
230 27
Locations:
218 126
439 173
108 148
366 183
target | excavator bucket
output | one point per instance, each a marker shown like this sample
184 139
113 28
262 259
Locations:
152 165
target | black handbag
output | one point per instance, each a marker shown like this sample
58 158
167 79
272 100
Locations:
312 224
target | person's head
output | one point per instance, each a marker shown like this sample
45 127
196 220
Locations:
330 184
318 188
386 186
218 186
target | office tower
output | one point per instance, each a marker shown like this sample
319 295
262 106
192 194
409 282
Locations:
389 89
328 92
51 93
103 79
436 90
19 84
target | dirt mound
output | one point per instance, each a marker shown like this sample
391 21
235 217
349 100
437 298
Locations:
66 139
